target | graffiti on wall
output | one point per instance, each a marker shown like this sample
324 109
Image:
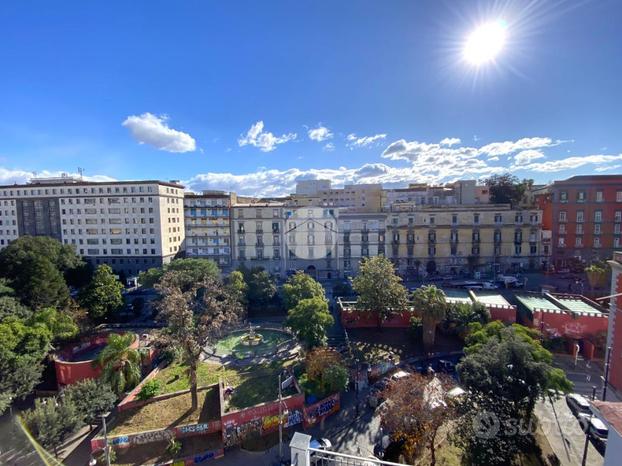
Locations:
194 428
270 423
151 436
321 409
234 434
208 455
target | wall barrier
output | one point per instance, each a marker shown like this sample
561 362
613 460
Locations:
321 410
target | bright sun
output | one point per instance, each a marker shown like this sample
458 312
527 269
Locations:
485 42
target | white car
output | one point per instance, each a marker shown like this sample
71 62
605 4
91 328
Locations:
597 428
578 404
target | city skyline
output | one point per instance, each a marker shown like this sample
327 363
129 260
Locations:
372 95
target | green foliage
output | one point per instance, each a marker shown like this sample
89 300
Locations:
507 189
309 320
150 389
189 272
102 295
237 286
261 287
52 420
174 447
91 399
343 289
138 304
120 363
60 323
460 315
35 267
431 305
11 307
335 378
380 290
301 286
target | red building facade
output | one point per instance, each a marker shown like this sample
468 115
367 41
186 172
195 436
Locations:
614 335
585 216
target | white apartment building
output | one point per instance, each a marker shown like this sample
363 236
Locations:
311 187
130 225
208 226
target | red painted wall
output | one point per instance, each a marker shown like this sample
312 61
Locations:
356 319
504 314
564 324
615 370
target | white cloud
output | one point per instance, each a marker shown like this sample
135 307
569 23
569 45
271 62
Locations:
527 156
509 147
319 134
573 163
153 130
607 168
263 140
329 147
18 176
363 141
450 142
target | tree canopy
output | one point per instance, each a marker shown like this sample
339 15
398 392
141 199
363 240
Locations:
301 286
196 316
309 320
120 362
189 272
431 305
237 286
380 290
507 189
91 399
102 295
261 287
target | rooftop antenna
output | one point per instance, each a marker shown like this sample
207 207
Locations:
81 172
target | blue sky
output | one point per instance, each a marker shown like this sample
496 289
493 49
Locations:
225 95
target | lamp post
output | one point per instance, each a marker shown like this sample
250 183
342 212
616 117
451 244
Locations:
106 448
587 439
606 380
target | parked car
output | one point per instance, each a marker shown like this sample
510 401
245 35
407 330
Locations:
578 404
597 430
399 375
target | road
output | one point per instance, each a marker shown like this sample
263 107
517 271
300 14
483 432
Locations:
564 433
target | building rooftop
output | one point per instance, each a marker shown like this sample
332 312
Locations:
578 305
490 298
612 412
457 296
537 302
560 303
69 181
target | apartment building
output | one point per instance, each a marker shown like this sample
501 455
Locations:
311 235
463 192
585 218
489 238
130 225
361 235
258 236
367 197
208 226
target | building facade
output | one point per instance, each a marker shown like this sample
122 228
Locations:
129 225
585 218
463 239
367 197
208 226
361 235
258 236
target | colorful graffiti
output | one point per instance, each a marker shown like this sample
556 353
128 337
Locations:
194 428
321 409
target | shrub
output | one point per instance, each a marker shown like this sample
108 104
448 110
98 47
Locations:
149 390
174 447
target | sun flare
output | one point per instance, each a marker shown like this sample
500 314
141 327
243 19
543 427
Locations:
485 42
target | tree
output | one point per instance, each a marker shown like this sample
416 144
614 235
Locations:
507 189
309 320
138 304
22 350
301 286
237 286
60 323
190 271
261 288
325 368
91 399
380 290
460 315
504 372
196 316
430 303
102 295
415 409
35 267
52 420
120 362
335 378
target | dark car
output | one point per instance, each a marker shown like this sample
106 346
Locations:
578 404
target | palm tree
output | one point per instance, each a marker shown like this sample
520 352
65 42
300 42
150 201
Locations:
120 362
431 305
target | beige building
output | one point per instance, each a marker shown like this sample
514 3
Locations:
258 236
464 239
361 235
367 197
130 225
208 226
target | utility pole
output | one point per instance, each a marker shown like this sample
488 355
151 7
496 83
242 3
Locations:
608 360
587 439
106 448
280 422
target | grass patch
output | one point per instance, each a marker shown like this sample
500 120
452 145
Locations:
255 390
233 344
175 377
171 412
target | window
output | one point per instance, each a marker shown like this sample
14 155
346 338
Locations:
578 242
579 216
498 218
563 196
616 228
597 228
599 196
562 228
598 216
476 218
616 242
518 249
562 215
581 196
618 216
579 229
454 219
596 242
618 196
561 242
518 218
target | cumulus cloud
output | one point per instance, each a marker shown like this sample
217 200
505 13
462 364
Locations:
18 176
570 163
263 140
329 147
319 134
363 141
153 130
527 156
510 147
450 142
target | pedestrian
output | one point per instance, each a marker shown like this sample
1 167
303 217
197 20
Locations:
588 377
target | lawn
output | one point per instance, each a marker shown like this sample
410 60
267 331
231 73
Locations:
252 384
170 412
